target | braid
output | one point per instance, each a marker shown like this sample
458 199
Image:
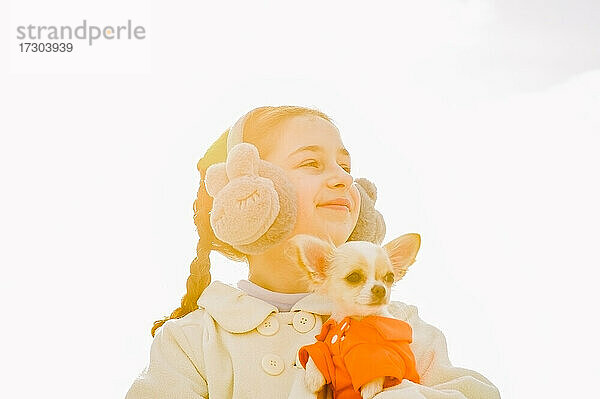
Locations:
199 277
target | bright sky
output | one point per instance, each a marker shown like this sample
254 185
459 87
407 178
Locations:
477 120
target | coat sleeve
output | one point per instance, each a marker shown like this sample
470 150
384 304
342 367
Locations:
171 372
439 378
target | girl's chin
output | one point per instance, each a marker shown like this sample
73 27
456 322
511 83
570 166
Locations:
339 235
336 217
325 227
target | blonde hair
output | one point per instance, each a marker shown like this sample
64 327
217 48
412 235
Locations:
258 130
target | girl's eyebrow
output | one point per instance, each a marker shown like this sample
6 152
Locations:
317 148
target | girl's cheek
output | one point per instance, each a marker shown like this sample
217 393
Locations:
302 184
303 193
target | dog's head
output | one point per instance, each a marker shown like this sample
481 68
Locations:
357 276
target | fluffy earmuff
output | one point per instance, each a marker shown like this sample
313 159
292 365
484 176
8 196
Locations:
370 225
254 205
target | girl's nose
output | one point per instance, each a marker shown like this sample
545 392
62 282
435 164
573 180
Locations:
340 179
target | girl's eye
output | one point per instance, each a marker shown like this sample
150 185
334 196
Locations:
316 165
311 163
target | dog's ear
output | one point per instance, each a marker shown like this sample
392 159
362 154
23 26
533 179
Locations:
312 254
402 252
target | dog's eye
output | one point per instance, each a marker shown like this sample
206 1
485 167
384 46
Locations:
354 277
388 278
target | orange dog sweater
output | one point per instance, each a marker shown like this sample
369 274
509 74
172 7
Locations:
352 353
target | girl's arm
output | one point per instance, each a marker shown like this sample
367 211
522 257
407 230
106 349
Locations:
171 372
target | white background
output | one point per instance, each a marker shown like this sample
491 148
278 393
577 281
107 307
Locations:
477 120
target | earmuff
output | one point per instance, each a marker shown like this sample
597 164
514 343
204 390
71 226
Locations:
254 205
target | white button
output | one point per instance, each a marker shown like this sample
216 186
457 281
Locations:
303 321
343 326
343 336
272 364
334 339
269 327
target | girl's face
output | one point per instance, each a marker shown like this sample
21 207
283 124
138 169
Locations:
310 151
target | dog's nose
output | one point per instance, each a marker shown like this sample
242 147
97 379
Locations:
378 291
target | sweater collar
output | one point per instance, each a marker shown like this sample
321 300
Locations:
238 312
282 301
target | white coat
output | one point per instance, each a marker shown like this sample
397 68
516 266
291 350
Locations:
236 346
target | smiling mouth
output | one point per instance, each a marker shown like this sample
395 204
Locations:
335 207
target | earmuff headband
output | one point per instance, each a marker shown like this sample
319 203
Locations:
235 135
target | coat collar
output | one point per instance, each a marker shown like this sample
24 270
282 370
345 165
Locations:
238 312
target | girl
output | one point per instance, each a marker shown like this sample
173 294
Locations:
225 342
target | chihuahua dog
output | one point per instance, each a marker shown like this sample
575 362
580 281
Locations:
356 278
